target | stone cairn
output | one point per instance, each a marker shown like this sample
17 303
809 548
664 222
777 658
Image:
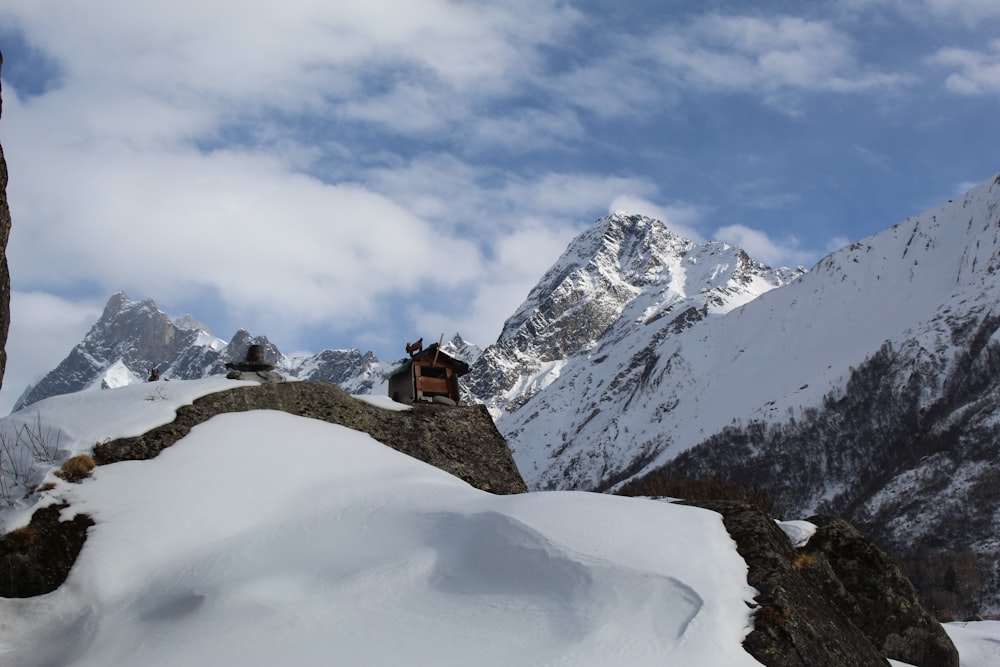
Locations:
253 367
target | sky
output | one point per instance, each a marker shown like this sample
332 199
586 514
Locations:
334 544
338 175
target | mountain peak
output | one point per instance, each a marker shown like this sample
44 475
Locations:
623 272
115 302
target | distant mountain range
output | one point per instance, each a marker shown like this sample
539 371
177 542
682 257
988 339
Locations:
867 387
131 338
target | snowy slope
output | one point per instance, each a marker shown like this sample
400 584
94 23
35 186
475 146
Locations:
283 540
647 390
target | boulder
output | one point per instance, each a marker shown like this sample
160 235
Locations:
866 586
838 601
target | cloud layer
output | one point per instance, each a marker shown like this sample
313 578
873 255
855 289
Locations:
356 174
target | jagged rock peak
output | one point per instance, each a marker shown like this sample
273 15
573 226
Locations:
115 304
132 338
618 252
243 339
624 272
189 321
459 348
129 340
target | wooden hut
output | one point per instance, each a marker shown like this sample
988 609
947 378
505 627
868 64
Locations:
428 375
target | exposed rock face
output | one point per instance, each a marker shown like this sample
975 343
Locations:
5 223
459 440
862 582
256 376
837 602
351 370
36 559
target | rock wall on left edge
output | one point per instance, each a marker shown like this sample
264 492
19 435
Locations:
5 224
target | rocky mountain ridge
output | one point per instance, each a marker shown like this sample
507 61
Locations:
133 337
624 270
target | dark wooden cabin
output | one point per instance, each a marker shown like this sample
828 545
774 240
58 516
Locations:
428 375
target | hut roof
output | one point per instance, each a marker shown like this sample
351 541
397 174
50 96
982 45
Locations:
460 367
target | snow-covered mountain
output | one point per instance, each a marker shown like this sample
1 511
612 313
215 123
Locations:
625 272
638 345
875 374
133 337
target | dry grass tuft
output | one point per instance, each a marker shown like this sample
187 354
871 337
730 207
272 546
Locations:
77 468
803 561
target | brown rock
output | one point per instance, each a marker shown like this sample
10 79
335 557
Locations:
865 585
37 558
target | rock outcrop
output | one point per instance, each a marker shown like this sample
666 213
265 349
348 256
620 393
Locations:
37 558
5 224
460 440
838 601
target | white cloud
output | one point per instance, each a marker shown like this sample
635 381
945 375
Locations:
760 246
410 67
968 12
975 72
623 83
43 330
767 56
265 238
526 131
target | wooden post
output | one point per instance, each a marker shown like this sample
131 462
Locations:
437 351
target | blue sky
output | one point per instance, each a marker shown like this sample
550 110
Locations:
344 174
